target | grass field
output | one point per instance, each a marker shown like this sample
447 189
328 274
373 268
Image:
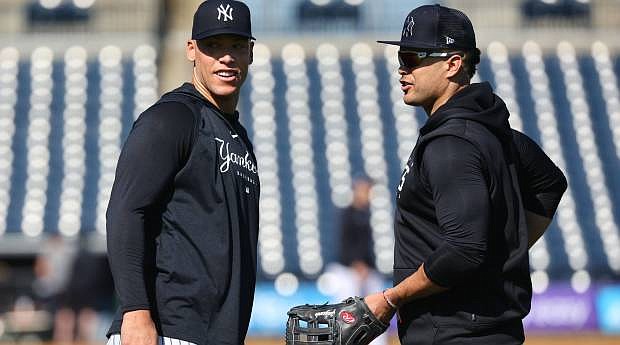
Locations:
551 339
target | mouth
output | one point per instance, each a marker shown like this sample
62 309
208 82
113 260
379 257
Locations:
405 86
227 75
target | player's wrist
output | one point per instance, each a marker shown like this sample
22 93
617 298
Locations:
138 317
391 302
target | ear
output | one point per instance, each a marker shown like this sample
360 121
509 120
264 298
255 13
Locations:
251 52
454 65
190 50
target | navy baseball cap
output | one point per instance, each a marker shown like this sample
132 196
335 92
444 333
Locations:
218 17
432 27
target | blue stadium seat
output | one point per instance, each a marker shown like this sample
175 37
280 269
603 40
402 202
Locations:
275 135
285 173
558 266
387 78
54 181
575 169
91 178
18 177
602 129
327 214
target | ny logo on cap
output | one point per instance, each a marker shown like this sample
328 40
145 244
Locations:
224 11
408 29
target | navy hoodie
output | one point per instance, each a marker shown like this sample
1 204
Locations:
460 211
182 222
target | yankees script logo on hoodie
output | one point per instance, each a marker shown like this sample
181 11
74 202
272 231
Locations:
243 161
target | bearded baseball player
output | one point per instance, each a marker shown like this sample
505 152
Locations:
182 222
475 195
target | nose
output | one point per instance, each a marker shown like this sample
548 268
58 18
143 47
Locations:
227 58
404 70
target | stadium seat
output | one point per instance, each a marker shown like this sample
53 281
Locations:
318 117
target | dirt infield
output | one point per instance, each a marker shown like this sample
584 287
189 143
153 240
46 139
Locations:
565 339
573 339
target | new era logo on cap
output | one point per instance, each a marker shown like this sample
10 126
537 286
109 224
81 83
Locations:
219 17
431 27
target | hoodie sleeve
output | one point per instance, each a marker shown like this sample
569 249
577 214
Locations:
157 147
542 183
453 170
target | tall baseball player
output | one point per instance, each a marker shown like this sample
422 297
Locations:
474 196
182 222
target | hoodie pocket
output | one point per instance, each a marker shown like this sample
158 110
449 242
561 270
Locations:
466 320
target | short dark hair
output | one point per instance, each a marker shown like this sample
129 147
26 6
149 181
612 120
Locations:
470 59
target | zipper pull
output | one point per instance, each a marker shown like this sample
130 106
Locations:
473 317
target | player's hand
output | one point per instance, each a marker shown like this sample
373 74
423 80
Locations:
138 328
378 306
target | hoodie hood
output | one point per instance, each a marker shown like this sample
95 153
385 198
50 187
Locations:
475 102
190 90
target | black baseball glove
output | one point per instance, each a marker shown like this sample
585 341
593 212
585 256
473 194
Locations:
347 323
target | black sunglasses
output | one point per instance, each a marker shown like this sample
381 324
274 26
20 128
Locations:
411 58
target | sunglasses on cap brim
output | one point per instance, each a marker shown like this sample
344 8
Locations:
411 58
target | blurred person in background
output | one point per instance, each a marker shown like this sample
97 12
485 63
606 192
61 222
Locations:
355 271
182 221
86 298
32 303
356 252
52 270
475 195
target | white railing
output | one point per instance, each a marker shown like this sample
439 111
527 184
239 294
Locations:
373 153
9 67
301 154
336 136
37 141
588 150
262 83
550 141
505 83
74 154
110 126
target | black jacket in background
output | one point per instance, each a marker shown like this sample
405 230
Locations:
182 222
460 212
356 243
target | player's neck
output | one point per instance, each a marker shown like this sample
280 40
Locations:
450 91
225 104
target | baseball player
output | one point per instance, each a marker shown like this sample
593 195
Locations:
182 222
474 196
